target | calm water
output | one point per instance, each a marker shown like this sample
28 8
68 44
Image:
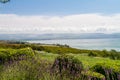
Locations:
85 43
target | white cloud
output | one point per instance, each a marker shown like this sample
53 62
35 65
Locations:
81 23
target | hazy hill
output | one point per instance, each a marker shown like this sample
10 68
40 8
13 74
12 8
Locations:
57 36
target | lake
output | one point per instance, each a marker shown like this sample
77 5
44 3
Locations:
85 43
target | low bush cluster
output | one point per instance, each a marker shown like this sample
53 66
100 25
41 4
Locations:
111 71
21 62
72 68
90 75
57 49
67 66
15 54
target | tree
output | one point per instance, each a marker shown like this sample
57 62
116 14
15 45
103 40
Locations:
4 1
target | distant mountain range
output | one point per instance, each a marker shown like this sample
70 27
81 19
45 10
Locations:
57 36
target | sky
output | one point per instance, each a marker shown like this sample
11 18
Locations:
60 16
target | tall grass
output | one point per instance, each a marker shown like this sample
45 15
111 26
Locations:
35 62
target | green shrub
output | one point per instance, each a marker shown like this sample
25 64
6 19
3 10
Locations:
105 53
67 66
25 51
92 54
30 69
111 71
11 54
114 55
90 75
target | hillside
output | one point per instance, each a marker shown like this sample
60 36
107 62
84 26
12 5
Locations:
23 61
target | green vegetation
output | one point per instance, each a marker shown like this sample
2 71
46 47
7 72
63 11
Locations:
110 70
25 61
14 54
62 49
92 75
67 66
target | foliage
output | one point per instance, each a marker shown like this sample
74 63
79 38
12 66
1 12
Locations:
90 75
53 49
92 54
61 49
43 67
111 71
67 66
114 55
14 54
30 69
24 61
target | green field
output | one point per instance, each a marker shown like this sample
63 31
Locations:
24 61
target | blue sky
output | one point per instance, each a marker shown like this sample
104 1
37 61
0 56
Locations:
60 7
60 16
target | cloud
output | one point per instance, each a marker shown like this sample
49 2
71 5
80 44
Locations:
79 23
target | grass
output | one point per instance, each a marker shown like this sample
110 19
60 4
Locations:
41 63
38 65
112 67
86 60
46 56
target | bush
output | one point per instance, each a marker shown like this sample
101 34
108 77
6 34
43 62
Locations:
30 69
90 75
105 53
67 66
25 51
11 54
114 55
109 70
92 54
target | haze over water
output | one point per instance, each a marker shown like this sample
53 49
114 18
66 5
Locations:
100 44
